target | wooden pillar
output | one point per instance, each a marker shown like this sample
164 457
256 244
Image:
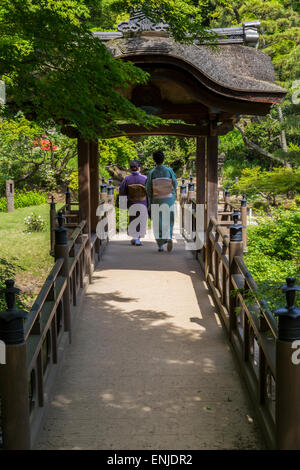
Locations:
287 395
94 193
14 396
52 225
200 170
212 179
200 187
84 182
94 183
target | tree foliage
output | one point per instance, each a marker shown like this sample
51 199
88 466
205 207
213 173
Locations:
274 246
31 155
187 19
280 30
274 138
57 71
179 152
267 184
117 151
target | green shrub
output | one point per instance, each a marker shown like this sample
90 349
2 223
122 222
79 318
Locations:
274 254
25 199
2 204
30 198
267 268
260 205
73 182
274 246
277 235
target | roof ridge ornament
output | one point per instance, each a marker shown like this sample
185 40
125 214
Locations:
139 22
251 31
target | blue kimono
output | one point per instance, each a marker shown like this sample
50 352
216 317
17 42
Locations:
161 187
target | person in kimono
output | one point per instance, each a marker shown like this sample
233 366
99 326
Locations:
161 187
133 186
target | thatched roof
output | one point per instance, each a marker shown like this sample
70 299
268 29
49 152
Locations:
235 67
233 70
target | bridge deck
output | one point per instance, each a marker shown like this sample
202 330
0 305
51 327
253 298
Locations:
150 366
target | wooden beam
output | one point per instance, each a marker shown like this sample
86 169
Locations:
212 179
94 183
84 182
182 130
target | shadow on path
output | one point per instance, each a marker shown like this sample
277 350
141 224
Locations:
149 366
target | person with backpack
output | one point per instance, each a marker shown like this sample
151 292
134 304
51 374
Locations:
161 187
133 186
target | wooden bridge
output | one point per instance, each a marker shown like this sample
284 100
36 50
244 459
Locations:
128 348
148 342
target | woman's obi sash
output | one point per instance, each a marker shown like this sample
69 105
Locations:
162 188
136 192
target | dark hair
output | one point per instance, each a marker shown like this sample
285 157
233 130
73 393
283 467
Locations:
158 156
134 164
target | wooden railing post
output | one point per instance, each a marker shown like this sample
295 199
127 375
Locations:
52 225
227 199
191 189
111 201
103 189
68 199
110 193
225 251
244 221
14 389
182 196
288 371
61 250
235 249
208 252
182 188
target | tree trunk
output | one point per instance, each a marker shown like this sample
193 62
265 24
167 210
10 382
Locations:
254 146
283 136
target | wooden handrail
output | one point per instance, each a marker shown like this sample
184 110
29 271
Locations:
76 233
252 329
41 298
222 232
271 321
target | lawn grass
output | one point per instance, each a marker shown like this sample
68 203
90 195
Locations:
25 256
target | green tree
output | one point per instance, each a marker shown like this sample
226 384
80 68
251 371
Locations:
118 152
56 70
179 152
32 155
268 184
274 138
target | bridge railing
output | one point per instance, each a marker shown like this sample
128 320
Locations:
35 351
251 327
263 349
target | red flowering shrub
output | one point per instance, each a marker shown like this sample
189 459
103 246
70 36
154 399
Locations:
45 144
